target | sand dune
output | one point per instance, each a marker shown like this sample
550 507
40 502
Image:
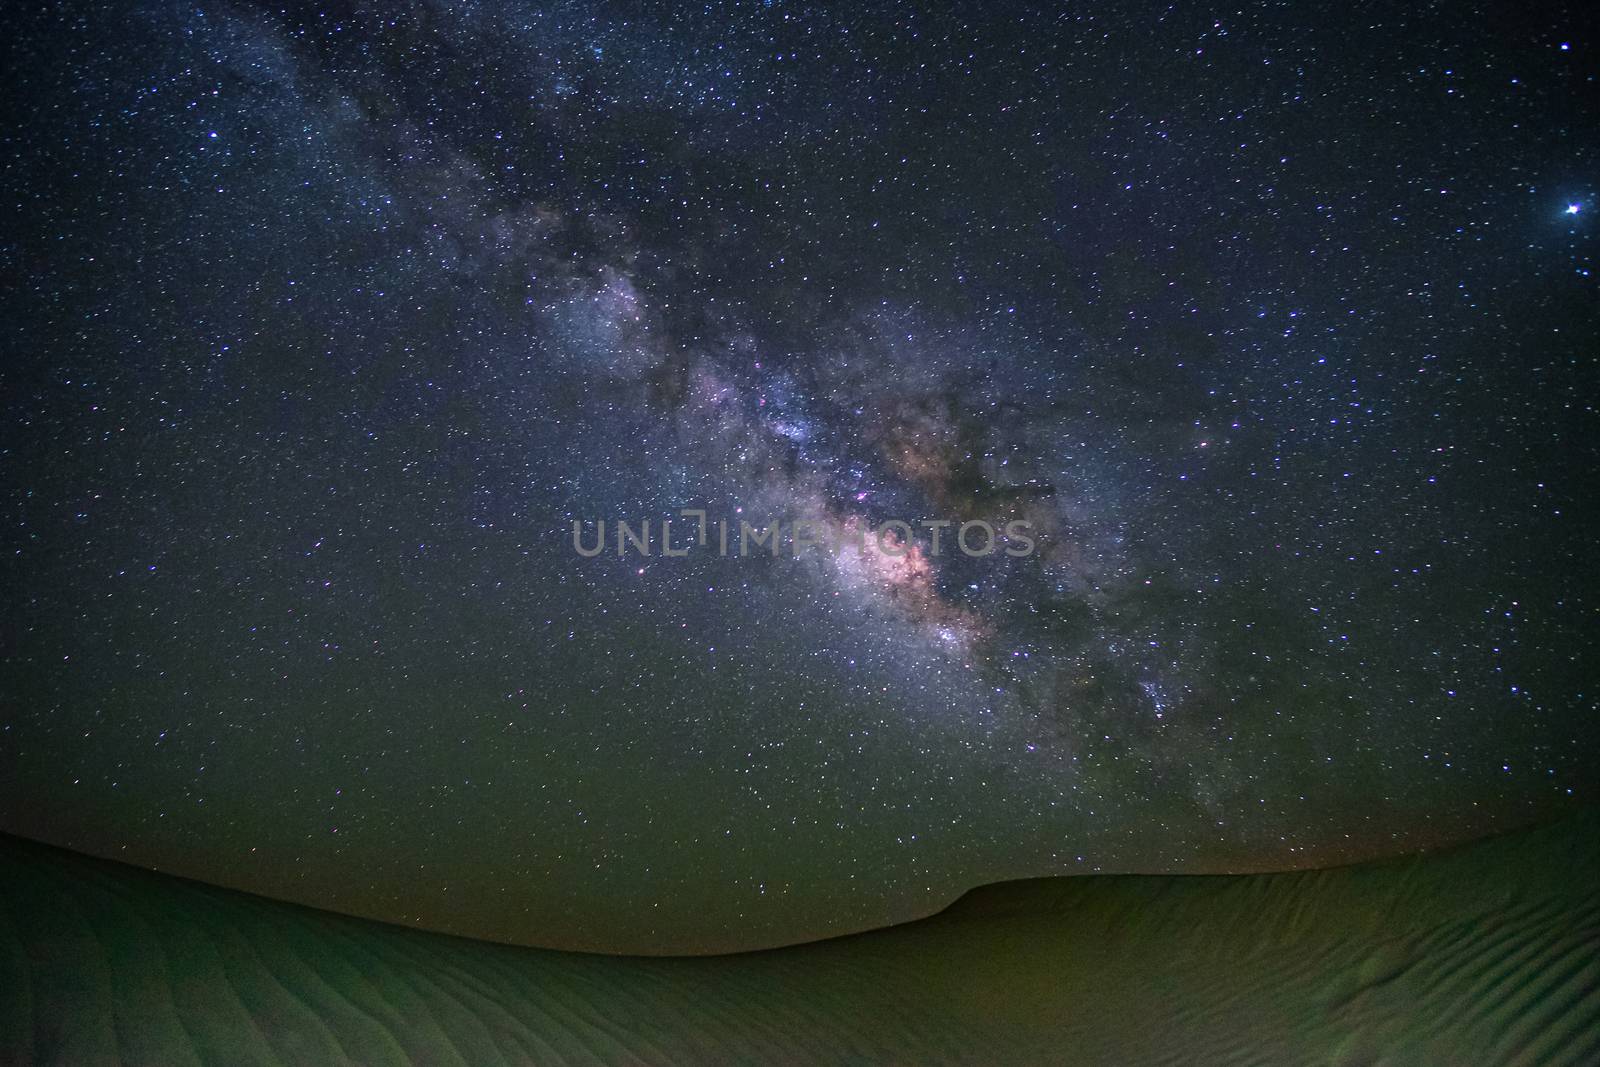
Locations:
1485 954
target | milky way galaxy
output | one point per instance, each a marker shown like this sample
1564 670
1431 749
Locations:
326 323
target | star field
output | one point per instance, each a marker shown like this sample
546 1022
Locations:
326 322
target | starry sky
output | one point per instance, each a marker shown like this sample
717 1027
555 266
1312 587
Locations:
1278 324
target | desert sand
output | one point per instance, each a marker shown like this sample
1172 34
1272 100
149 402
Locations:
1487 953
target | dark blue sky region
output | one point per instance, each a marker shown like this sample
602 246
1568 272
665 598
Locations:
1277 323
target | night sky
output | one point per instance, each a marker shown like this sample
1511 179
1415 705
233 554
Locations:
1278 323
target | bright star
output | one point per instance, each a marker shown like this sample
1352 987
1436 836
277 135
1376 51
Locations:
1573 209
